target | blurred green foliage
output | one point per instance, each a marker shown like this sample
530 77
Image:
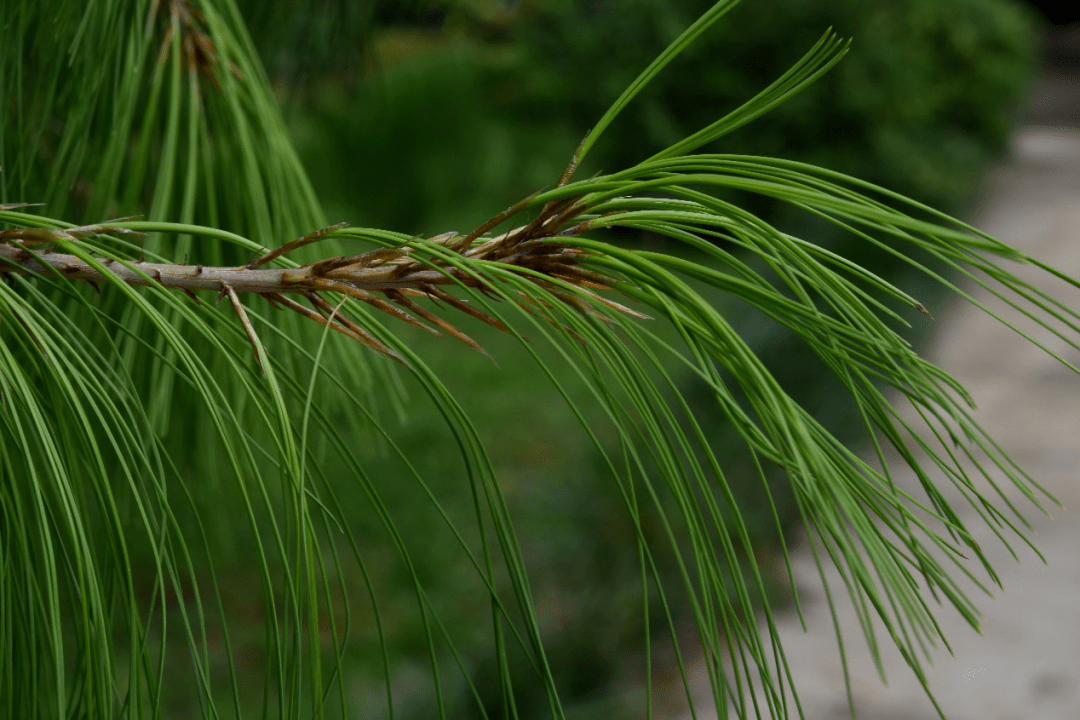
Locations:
465 107
925 98
487 96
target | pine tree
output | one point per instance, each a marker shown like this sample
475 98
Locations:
175 408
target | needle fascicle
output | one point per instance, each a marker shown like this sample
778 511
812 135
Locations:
246 322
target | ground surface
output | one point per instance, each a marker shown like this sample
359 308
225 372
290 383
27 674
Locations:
1026 666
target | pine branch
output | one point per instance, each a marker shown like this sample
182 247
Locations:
386 278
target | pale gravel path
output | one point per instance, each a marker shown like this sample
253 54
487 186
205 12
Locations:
1026 666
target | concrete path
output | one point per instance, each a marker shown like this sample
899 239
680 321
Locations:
1026 666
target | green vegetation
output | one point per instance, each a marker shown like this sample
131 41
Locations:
227 510
491 94
469 107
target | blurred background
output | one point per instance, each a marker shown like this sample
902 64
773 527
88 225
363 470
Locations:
424 117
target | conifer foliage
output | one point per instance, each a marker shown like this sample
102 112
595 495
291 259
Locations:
156 440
